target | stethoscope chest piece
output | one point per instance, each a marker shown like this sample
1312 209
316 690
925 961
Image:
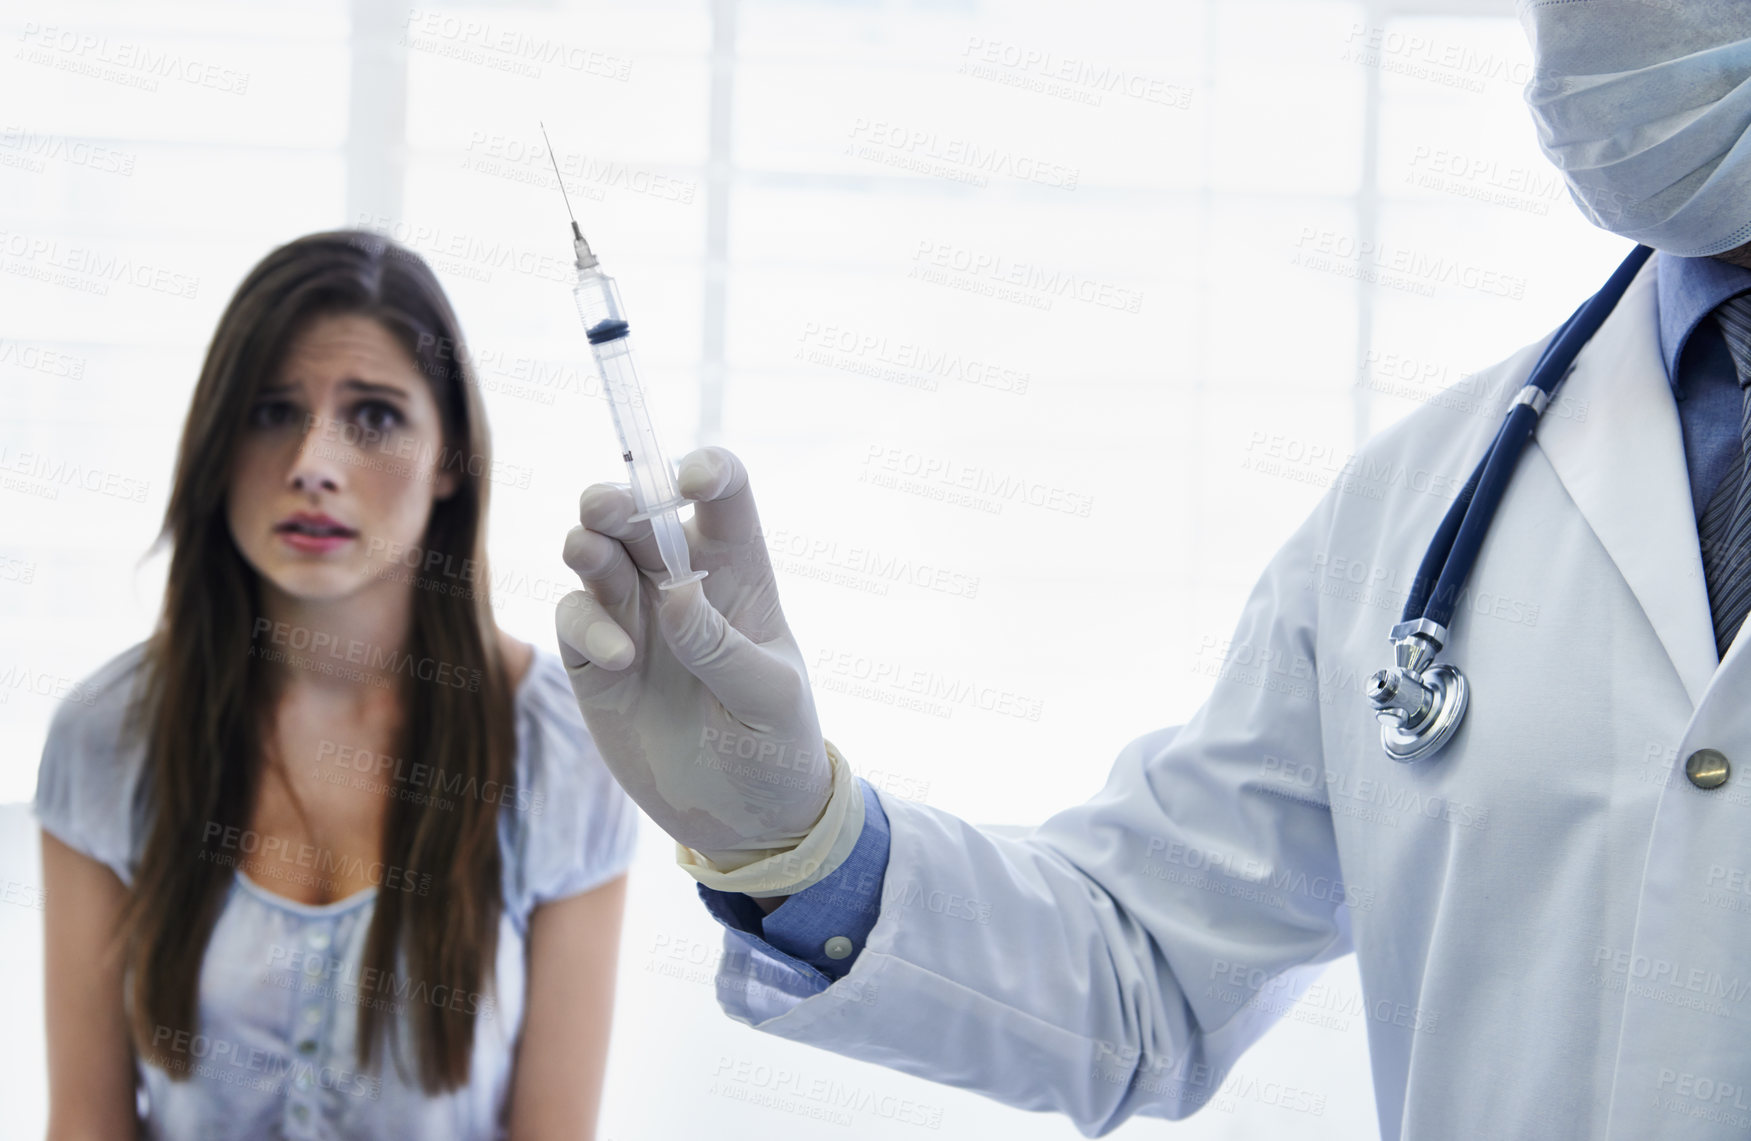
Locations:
1418 702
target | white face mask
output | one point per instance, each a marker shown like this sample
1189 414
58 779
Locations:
1644 106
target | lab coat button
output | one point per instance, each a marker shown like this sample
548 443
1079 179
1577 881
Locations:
1707 768
838 947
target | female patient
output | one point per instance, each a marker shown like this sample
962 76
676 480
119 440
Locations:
330 855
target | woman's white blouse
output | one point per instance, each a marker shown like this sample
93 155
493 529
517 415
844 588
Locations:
282 982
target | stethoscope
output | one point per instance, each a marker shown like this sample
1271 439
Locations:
1419 701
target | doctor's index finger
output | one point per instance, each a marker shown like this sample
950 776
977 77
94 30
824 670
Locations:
723 501
603 564
607 509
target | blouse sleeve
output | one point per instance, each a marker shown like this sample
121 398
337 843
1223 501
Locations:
87 778
573 828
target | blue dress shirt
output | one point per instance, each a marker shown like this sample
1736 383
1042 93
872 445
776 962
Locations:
846 903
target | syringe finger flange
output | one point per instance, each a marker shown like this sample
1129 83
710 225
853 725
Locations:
658 509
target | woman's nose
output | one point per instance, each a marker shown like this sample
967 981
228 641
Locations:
318 462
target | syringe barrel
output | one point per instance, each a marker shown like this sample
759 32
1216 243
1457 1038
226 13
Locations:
598 298
652 479
598 301
653 482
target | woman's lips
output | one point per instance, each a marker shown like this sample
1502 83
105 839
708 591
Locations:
313 544
314 533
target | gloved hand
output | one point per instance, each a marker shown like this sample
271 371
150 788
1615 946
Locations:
698 699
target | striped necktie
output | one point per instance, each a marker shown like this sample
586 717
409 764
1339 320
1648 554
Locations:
1725 527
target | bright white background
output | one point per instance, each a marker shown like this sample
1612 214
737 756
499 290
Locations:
1324 212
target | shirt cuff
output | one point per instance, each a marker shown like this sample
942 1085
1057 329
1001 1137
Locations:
820 930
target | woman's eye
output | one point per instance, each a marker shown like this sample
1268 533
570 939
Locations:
376 416
269 414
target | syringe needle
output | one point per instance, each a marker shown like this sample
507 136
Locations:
554 159
580 248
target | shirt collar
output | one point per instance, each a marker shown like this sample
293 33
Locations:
1689 289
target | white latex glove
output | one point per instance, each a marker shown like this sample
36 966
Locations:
698 700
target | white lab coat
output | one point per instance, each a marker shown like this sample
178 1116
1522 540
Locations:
1553 925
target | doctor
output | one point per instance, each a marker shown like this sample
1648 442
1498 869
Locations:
1552 914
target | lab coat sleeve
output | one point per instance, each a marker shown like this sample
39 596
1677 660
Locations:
1120 958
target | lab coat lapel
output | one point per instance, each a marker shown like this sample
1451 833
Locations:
1623 466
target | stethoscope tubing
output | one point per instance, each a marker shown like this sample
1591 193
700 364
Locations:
1453 550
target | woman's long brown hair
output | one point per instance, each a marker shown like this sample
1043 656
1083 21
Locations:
206 691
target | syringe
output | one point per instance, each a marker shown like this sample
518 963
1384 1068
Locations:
653 479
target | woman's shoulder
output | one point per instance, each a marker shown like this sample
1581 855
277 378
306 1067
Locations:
92 757
92 726
568 826
554 748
